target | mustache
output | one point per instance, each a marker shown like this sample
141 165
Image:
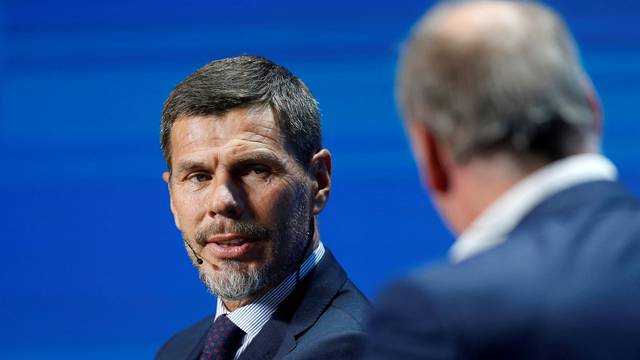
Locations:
250 230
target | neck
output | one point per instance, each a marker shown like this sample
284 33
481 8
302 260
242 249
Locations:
480 183
232 305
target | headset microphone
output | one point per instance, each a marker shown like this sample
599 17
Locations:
194 254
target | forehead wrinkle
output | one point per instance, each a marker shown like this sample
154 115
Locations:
253 130
190 137
236 148
259 139
267 131
213 139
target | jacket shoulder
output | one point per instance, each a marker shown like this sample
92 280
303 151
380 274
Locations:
182 344
340 331
527 290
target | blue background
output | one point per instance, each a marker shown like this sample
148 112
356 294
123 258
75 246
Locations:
91 265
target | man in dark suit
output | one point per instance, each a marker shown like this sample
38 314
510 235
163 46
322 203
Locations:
247 178
504 125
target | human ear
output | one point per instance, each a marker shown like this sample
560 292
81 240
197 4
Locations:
429 155
594 105
320 168
166 176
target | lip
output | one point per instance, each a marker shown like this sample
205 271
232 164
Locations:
230 246
225 238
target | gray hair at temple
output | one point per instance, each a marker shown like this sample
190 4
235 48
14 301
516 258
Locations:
252 82
511 83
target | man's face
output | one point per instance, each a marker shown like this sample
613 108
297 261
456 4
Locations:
240 200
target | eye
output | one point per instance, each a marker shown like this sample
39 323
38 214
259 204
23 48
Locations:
257 171
199 177
260 169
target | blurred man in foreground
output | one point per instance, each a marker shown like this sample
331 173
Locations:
247 177
505 128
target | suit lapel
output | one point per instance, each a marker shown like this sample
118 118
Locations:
314 293
198 341
298 311
272 339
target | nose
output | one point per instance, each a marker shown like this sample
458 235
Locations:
226 200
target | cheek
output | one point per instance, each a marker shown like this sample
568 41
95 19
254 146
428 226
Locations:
273 204
189 207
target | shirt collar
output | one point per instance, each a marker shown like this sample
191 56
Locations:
501 217
252 317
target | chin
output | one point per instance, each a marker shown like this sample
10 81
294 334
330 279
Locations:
233 280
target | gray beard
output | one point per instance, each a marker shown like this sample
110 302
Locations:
236 284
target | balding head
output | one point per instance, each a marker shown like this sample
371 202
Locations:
488 76
478 24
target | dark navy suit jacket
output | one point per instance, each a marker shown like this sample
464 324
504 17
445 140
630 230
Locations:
564 285
323 318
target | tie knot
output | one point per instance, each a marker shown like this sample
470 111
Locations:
224 326
223 339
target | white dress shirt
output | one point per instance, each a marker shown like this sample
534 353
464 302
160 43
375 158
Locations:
501 217
251 318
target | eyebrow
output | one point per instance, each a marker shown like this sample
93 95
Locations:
188 166
261 156
271 160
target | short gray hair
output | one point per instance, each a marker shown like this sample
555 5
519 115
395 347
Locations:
519 89
247 81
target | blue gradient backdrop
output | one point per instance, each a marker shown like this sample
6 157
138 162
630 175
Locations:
91 265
